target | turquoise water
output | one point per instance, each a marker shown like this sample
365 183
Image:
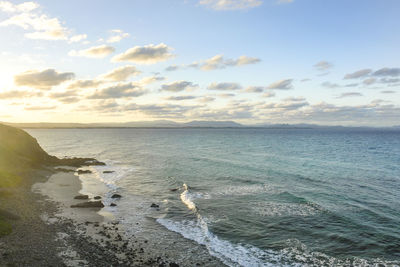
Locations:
255 197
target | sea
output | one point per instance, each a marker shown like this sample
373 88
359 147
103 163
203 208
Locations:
249 196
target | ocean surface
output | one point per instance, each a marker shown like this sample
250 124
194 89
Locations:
251 197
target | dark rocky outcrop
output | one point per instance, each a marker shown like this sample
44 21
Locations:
97 197
19 150
83 171
82 197
90 204
113 205
116 196
154 206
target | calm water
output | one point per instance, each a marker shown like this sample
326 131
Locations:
253 197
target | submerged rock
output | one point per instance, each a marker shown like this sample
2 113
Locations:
154 205
97 197
113 205
108 171
90 204
83 171
116 196
174 189
81 197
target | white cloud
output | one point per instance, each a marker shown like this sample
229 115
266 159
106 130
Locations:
281 84
77 38
40 25
93 52
119 91
121 73
42 79
178 86
217 62
230 4
80 84
12 8
117 36
323 65
224 86
358 74
148 54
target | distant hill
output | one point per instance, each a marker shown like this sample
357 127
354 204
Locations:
135 124
191 124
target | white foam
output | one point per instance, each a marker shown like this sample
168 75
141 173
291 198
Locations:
242 190
228 253
187 198
274 209
110 179
296 254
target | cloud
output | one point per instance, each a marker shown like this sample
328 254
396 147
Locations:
358 74
172 68
121 73
386 80
117 36
160 110
268 94
230 4
288 104
148 54
93 52
350 94
42 79
394 72
77 38
84 84
40 25
369 81
281 85
66 97
19 94
150 79
33 108
388 92
180 98
178 86
119 90
351 85
206 99
224 86
323 65
217 62
12 8
254 89
330 85
285 1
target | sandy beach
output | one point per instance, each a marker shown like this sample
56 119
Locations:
55 234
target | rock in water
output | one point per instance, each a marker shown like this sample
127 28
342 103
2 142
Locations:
83 171
154 205
108 171
90 204
97 197
116 196
82 197
113 205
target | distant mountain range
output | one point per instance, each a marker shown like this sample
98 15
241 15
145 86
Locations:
173 124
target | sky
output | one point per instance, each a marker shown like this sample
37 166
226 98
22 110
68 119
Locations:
330 62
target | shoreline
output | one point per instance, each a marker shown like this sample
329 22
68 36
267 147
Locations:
54 234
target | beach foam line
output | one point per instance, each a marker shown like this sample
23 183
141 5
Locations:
296 254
